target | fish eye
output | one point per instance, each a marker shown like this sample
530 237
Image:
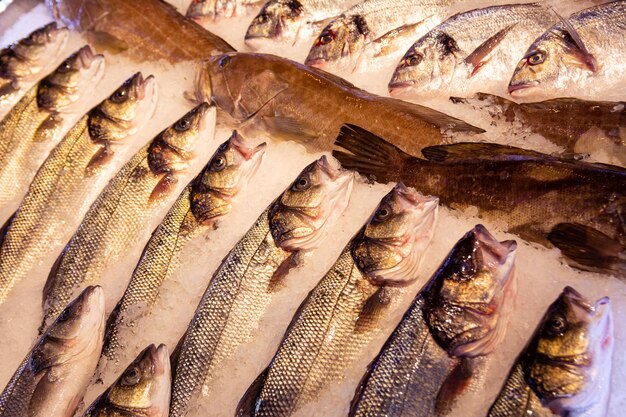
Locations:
224 61
65 66
325 38
303 183
132 376
65 314
537 58
412 60
119 96
556 325
382 213
218 163
182 125
262 18
466 266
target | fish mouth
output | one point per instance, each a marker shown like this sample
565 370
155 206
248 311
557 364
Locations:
247 152
516 89
160 358
399 88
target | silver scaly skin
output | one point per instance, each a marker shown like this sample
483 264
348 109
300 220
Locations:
209 10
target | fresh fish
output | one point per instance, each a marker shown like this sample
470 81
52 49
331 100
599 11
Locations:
460 316
70 180
194 215
578 207
52 379
208 10
566 367
37 123
336 322
243 287
291 101
143 390
470 52
121 216
341 44
288 20
143 29
582 56
578 126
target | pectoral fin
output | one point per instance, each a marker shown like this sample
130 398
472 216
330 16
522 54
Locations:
479 57
247 405
579 50
164 187
98 160
387 43
372 309
287 128
108 42
455 384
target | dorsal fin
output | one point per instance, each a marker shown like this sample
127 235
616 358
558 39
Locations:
587 58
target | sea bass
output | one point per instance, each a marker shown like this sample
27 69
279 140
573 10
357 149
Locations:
23 62
290 101
51 381
127 210
470 52
578 207
460 316
576 58
242 289
37 123
209 10
336 322
70 180
194 215
566 368
143 390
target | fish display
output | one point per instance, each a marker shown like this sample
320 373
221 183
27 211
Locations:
242 288
470 52
142 390
194 215
340 315
52 379
37 123
566 368
286 100
70 180
207 10
460 316
577 207
574 58
120 217
21 63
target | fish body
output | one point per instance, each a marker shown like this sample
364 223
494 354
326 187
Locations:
37 123
209 10
52 379
578 207
565 369
461 314
339 317
142 390
205 201
22 62
470 52
243 287
70 179
120 217
290 101
582 57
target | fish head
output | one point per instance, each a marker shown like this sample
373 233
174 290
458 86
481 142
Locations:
226 174
307 210
470 298
277 20
571 352
67 84
340 44
389 249
145 384
427 66
125 111
207 10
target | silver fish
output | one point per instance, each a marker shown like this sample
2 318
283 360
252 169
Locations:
208 10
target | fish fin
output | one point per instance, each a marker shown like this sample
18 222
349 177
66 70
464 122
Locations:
587 59
588 248
100 158
108 42
9 88
164 187
276 281
455 384
372 310
371 155
247 404
475 150
477 59
386 43
5 228
48 128
287 128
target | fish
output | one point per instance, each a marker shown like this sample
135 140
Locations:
196 213
288 101
38 122
578 126
344 43
456 320
141 29
575 206
22 62
242 288
335 323
291 20
52 379
472 51
565 369
210 10
573 57
70 179
142 390
120 217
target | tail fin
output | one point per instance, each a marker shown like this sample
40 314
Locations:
371 155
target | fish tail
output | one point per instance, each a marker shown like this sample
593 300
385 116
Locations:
371 155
